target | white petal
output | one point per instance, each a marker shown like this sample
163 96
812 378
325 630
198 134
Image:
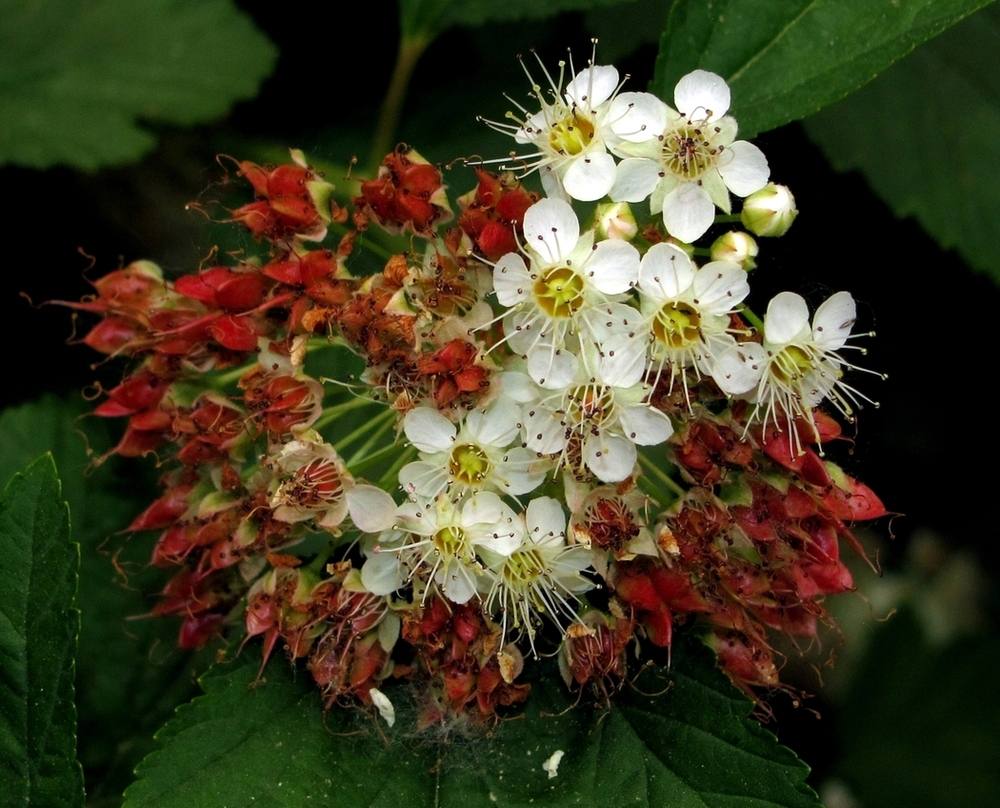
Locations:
551 229
611 457
382 574
511 280
372 509
592 86
744 168
636 179
645 425
457 581
637 117
385 708
623 361
550 368
590 176
688 212
613 266
666 272
787 318
719 286
701 95
545 520
483 507
497 426
428 430
833 321
544 432
423 479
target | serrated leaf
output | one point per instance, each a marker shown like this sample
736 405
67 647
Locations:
77 75
38 630
129 676
785 61
435 16
924 136
268 743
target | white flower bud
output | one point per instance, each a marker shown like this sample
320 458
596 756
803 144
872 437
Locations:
737 247
616 220
770 211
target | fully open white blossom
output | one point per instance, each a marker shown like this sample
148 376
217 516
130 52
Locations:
686 310
542 576
475 456
596 420
569 132
799 364
687 160
569 291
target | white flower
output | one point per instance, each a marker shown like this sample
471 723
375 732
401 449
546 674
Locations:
569 132
474 457
596 420
686 161
686 310
799 365
441 541
542 576
569 288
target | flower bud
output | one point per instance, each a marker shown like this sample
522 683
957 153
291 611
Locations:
737 247
770 211
615 220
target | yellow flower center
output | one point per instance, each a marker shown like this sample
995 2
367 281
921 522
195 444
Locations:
450 542
687 152
791 363
571 134
521 570
559 292
468 464
677 325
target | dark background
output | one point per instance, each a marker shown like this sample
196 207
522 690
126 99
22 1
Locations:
925 450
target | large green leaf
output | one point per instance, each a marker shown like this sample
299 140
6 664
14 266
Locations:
129 678
76 75
38 630
925 136
920 726
787 60
267 743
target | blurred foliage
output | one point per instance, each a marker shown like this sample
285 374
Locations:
77 76
924 133
926 136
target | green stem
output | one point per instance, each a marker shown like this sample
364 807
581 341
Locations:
664 478
391 477
358 467
728 218
364 429
411 47
752 318
387 423
331 414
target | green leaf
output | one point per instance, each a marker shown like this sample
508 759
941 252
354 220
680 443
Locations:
924 136
129 676
919 726
268 743
38 629
77 75
787 60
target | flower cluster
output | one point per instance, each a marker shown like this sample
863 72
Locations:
576 437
